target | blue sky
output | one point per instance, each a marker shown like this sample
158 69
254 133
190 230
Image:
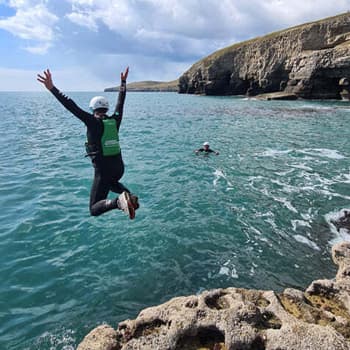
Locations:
87 43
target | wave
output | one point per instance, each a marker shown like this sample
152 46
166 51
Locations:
219 174
323 152
298 223
306 241
316 152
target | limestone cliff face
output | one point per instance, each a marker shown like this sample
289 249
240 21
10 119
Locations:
308 60
235 318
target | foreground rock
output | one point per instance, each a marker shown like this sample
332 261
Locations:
234 318
310 61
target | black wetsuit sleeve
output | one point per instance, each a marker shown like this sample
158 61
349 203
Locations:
118 112
71 106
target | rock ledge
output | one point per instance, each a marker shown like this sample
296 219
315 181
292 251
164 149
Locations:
236 318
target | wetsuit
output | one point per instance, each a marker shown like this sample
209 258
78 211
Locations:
108 169
205 150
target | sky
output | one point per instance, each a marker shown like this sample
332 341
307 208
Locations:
87 43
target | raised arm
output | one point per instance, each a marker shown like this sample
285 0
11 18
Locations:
121 97
69 104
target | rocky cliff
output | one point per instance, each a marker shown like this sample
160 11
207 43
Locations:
241 319
308 61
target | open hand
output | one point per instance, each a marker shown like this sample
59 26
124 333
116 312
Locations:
46 79
124 76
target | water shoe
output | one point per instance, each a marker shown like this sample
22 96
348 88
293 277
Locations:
126 205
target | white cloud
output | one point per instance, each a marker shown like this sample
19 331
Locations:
201 18
191 18
269 15
119 16
39 49
166 25
84 20
160 39
32 21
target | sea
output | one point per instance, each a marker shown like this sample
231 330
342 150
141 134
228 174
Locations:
258 215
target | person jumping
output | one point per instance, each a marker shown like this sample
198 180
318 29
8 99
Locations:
102 147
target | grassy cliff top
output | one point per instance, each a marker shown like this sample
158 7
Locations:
150 85
227 49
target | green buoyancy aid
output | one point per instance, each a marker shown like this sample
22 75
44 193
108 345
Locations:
110 138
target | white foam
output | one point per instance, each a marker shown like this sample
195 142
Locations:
306 241
343 178
64 339
267 214
296 223
314 183
307 216
285 187
301 166
341 235
316 178
265 240
271 222
255 230
287 204
274 152
224 270
249 99
319 152
234 273
330 194
323 152
284 173
218 175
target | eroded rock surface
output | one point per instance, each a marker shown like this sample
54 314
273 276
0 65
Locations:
236 318
309 61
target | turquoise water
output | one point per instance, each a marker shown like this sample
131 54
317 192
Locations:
257 215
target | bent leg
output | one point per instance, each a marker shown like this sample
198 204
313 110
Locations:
99 203
118 187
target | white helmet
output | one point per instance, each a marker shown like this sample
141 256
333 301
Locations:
206 144
98 102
